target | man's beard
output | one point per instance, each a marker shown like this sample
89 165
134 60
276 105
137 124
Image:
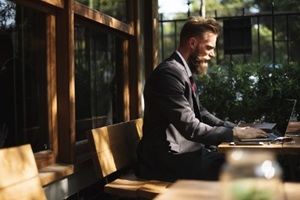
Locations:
197 65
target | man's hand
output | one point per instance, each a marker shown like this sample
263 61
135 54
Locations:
248 132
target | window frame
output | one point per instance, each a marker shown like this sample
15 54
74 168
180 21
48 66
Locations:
122 32
60 18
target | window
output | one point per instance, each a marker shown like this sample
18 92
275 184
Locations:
95 79
65 68
23 77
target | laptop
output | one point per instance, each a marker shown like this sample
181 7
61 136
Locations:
286 110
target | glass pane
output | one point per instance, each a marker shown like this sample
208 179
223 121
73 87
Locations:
23 108
95 84
294 38
113 8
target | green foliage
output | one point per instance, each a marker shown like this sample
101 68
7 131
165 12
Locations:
249 92
227 7
290 5
114 8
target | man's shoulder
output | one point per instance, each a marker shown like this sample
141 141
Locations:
171 64
167 69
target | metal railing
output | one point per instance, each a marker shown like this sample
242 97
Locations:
275 38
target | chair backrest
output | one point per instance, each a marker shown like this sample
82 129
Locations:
114 147
19 177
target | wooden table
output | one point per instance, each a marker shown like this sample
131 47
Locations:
289 152
197 190
292 148
275 148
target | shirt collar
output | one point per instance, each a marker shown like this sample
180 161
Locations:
188 70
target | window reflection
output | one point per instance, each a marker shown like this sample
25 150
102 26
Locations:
23 118
113 8
95 84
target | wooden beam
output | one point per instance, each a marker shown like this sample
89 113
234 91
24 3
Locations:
102 19
66 82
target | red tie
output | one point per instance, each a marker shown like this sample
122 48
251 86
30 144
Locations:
192 83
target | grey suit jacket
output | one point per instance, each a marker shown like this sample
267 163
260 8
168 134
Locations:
174 122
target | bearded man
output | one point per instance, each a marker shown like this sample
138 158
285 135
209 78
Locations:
177 128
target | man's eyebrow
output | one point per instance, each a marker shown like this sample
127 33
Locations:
211 46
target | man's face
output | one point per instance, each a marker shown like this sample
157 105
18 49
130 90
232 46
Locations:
203 51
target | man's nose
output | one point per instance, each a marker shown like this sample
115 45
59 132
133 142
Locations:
212 54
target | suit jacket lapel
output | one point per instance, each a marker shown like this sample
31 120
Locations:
196 102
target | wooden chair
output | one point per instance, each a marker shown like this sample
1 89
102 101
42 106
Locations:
19 177
113 151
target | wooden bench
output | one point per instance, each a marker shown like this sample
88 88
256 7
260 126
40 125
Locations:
113 150
19 177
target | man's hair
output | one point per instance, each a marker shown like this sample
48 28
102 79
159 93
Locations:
196 26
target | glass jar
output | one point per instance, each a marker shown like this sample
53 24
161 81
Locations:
251 175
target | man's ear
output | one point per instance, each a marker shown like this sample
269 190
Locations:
192 42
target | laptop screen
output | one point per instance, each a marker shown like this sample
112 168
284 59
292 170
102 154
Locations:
285 112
